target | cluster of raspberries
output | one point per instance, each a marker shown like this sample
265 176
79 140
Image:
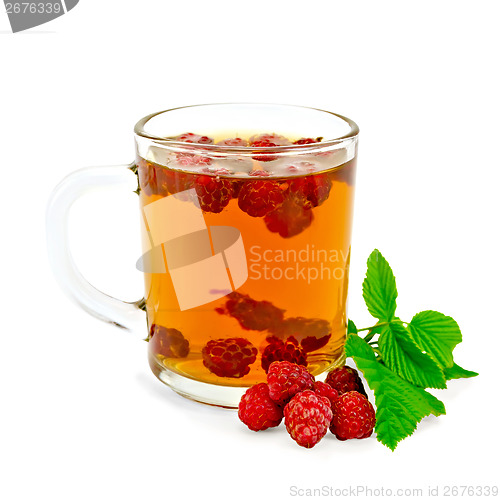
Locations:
279 202
310 408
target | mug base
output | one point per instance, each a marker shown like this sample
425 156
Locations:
222 396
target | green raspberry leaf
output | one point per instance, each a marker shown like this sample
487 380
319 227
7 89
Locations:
356 346
402 355
400 405
379 288
436 334
351 327
458 372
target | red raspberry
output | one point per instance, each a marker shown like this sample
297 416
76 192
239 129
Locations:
286 379
257 410
313 334
312 190
353 417
189 160
267 141
310 344
263 144
168 342
216 170
214 193
327 391
308 140
278 350
229 357
259 173
233 142
277 140
302 167
262 156
345 379
307 417
251 314
289 219
194 138
257 198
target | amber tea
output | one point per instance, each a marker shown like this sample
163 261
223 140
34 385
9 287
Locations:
248 258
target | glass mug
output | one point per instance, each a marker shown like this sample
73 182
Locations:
246 216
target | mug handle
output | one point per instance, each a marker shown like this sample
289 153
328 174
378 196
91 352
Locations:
129 315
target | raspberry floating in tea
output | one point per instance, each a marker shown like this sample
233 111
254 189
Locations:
311 191
289 219
312 333
252 314
235 142
214 193
191 138
258 198
279 350
230 357
168 342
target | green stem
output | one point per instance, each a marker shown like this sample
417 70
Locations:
372 327
383 323
370 335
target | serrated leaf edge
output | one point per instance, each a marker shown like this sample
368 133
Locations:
409 370
443 360
381 310
432 405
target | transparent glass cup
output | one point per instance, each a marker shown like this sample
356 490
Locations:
246 216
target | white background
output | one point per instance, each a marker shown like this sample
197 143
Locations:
82 416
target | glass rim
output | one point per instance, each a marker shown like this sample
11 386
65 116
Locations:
139 131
